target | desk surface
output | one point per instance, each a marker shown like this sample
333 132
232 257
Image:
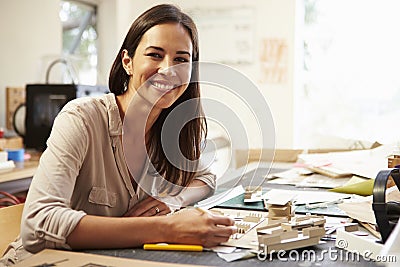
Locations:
22 170
325 253
18 179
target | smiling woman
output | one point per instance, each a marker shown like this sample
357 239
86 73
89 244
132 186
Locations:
96 184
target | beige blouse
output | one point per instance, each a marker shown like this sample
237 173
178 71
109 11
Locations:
82 171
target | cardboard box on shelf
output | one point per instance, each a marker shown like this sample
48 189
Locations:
11 143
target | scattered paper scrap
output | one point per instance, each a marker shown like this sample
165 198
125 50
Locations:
237 255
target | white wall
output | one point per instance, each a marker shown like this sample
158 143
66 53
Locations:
31 29
108 40
274 19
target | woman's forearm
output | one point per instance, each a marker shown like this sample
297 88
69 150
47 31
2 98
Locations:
114 232
187 227
197 190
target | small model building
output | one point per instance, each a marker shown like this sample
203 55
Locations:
244 220
299 232
246 223
252 194
279 212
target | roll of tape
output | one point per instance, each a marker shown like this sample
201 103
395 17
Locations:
16 154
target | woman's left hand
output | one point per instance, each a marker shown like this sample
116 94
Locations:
148 207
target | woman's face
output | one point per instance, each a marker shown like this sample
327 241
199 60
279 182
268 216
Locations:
161 66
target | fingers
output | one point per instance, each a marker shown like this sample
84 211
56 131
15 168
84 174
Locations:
165 211
148 207
158 210
144 207
223 220
220 235
225 231
146 210
222 227
210 230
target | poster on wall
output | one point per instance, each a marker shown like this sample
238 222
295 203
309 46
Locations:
226 34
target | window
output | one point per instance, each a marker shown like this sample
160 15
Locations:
351 84
79 39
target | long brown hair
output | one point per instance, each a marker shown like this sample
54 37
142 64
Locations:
195 130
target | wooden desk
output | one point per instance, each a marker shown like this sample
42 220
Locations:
18 179
325 253
22 170
318 255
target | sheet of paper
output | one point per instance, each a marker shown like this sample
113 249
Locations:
300 197
237 255
366 163
361 208
294 177
290 177
355 180
279 197
361 211
223 249
221 197
321 181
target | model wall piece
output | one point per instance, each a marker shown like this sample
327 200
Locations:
313 231
268 240
299 232
276 212
289 234
278 221
253 217
351 228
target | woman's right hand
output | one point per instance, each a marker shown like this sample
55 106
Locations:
199 227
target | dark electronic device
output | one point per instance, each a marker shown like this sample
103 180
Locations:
386 213
44 102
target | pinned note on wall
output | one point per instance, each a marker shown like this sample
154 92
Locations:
274 60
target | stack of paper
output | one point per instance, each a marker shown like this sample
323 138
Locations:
5 164
366 163
300 197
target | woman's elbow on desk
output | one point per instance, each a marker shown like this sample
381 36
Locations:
48 227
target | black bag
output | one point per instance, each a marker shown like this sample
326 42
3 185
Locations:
44 102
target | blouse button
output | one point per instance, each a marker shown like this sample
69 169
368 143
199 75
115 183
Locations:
40 234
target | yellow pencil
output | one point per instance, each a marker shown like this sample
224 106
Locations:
176 247
201 210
